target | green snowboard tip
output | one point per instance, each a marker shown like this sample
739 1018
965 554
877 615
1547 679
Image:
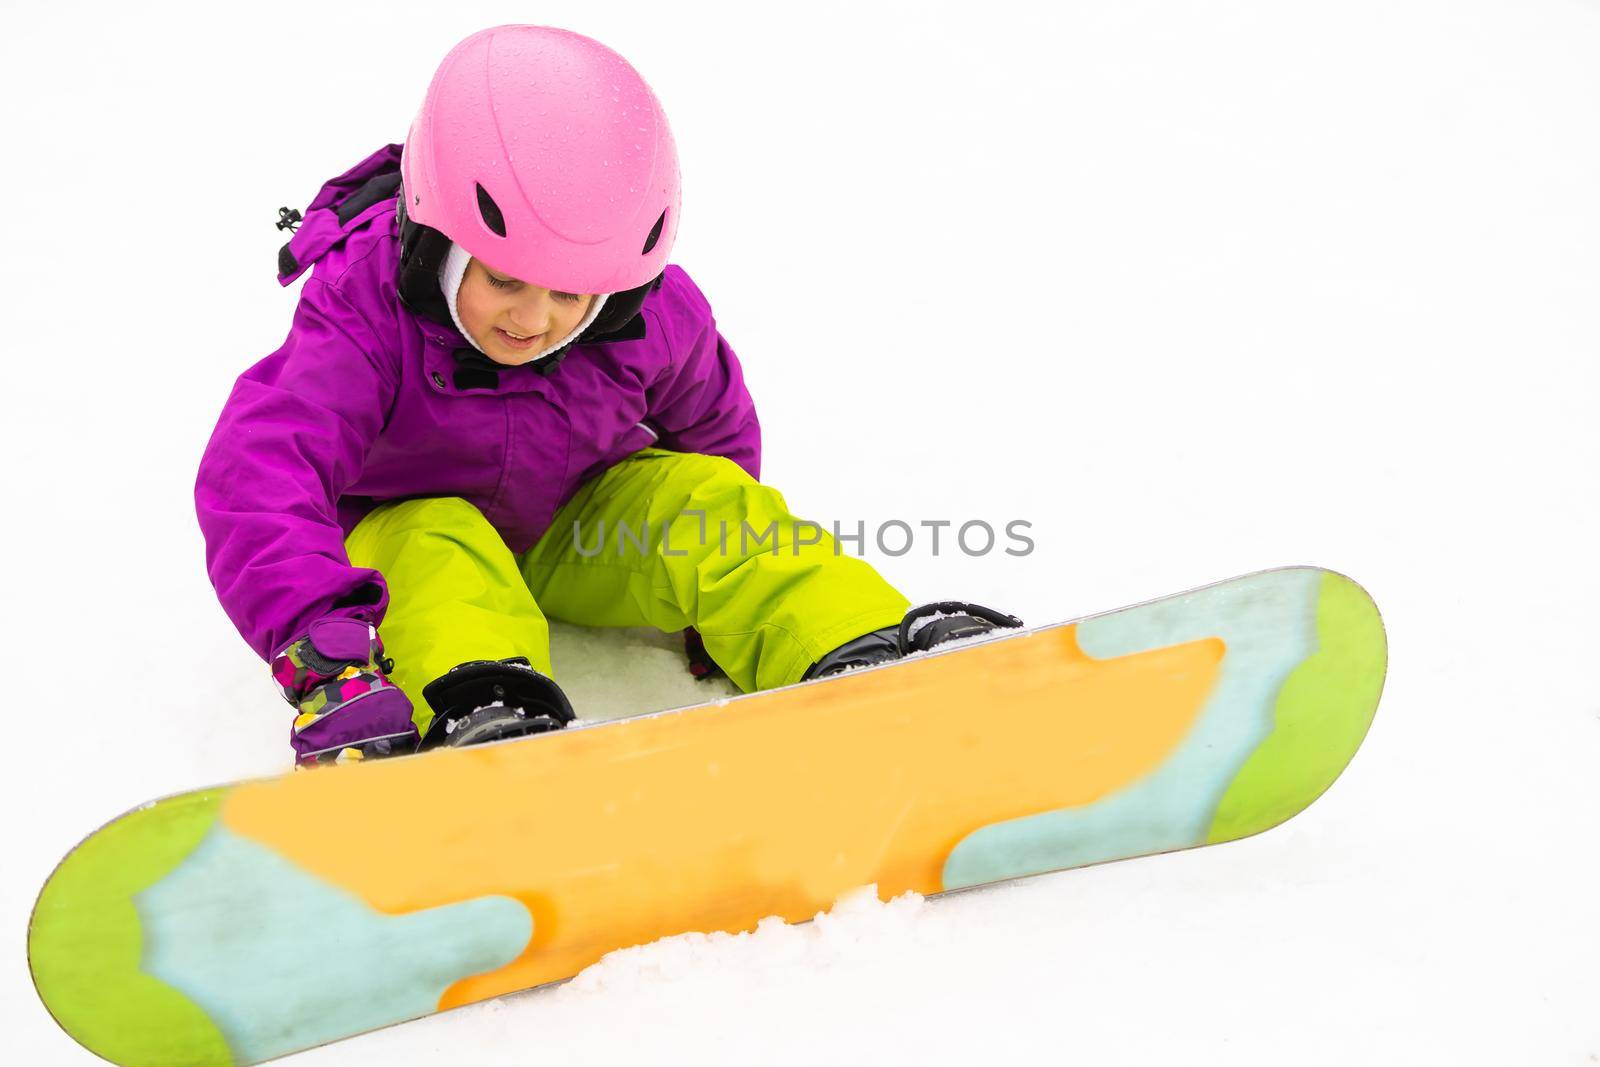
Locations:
1321 716
85 941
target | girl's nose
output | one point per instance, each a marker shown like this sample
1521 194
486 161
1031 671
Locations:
532 315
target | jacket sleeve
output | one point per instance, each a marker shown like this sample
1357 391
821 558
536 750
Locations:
292 437
701 403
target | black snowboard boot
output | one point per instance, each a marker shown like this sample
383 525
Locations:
493 700
923 628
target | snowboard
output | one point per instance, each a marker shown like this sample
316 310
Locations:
237 924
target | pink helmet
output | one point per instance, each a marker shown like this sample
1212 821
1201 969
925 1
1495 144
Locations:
546 156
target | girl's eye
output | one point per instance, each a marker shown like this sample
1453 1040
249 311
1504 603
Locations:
512 283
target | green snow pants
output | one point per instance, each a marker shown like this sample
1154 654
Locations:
663 539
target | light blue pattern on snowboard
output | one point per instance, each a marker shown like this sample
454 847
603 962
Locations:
281 961
1269 624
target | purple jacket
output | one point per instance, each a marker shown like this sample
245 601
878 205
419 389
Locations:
363 403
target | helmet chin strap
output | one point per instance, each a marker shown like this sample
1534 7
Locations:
454 270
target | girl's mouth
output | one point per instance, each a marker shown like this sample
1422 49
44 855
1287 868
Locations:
511 340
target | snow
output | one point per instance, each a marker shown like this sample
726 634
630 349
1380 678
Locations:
1194 288
611 674
864 946
694 966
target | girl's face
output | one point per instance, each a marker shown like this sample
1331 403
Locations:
511 320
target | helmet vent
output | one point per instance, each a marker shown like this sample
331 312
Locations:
496 221
655 235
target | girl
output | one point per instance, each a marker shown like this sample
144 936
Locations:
492 370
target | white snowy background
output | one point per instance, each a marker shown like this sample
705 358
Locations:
1194 288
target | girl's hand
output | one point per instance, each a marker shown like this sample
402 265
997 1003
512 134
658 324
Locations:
347 708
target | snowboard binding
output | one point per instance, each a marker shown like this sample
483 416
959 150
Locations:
948 620
493 700
922 628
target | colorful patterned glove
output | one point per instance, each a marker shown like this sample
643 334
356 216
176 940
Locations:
347 708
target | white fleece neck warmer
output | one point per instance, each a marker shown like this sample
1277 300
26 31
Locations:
454 270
